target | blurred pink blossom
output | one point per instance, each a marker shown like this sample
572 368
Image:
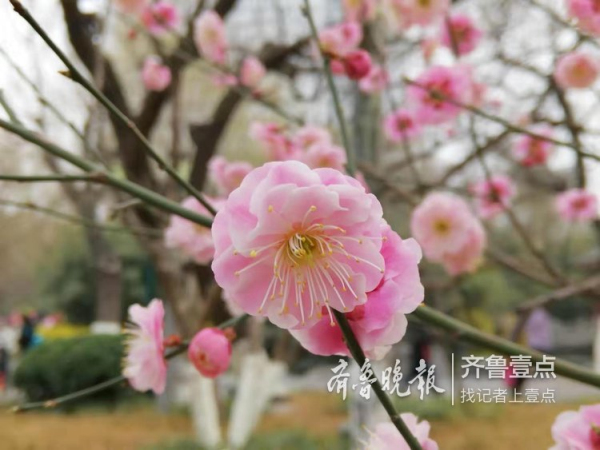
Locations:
387 437
577 205
339 40
434 86
131 6
577 430
532 151
160 17
401 124
210 37
493 195
210 352
192 239
292 240
324 155
359 10
155 75
273 136
448 232
587 14
252 72
145 365
357 64
375 81
228 175
576 70
418 12
309 135
465 35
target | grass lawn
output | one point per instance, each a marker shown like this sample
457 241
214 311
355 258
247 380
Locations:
308 420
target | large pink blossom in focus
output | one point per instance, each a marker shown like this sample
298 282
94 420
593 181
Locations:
401 124
131 6
493 195
434 86
228 175
577 430
386 436
252 72
359 10
160 17
210 37
145 365
155 75
576 70
587 13
274 137
291 240
418 12
448 232
532 151
191 238
324 155
375 81
381 322
577 205
210 352
342 39
465 35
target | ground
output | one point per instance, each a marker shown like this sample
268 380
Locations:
511 427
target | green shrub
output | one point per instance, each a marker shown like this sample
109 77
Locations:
59 367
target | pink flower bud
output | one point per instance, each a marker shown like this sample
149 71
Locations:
357 64
210 352
155 75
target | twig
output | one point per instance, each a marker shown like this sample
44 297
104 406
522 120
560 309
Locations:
351 166
134 189
78 77
149 232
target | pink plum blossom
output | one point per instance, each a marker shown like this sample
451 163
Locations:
228 175
291 241
359 10
252 72
577 430
273 136
210 352
191 238
340 40
155 75
324 155
309 135
577 205
493 195
387 437
418 12
357 64
532 151
210 37
375 81
131 6
576 70
465 35
381 321
468 258
587 13
448 232
401 124
160 17
434 86
145 365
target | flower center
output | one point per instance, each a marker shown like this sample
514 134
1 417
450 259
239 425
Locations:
441 227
